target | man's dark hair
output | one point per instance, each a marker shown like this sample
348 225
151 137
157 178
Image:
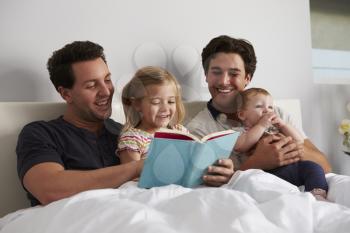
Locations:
60 63
226 44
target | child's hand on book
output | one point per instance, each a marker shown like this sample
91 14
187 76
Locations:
219 173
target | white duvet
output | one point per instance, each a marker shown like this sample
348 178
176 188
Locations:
253 201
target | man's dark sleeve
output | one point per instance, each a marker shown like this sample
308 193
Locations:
35 145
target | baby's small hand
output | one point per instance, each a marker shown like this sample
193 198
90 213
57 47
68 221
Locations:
266 120
277 121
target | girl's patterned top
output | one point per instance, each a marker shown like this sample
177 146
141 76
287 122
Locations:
138 140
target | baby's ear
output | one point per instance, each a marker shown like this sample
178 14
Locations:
241 115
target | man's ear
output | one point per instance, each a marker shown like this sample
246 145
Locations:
248 78
65 94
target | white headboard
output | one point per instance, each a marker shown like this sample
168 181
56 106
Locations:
14 115
293 107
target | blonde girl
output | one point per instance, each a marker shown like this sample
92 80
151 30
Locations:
151 100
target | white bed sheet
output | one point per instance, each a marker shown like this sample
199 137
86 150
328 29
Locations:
253 201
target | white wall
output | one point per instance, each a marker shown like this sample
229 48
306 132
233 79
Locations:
160 32
136 33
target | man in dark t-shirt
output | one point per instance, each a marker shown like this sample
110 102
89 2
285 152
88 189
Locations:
75 152
63 143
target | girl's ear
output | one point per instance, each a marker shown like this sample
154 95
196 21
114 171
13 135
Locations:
65 94
136 104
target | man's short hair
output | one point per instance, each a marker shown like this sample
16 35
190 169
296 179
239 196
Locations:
60 63
226 44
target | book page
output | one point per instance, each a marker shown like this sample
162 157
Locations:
180 135
216 135
175 134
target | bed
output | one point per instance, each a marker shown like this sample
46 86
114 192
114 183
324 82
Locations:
253 201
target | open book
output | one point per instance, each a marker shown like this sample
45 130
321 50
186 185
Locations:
176 157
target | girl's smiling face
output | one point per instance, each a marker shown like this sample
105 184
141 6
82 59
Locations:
158 107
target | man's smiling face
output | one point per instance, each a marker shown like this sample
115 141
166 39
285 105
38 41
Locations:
226 77
91 95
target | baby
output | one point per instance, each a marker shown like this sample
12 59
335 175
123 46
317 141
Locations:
258 119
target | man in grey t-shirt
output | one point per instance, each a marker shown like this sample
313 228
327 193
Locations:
229 66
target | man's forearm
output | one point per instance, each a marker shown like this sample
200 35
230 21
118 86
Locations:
48 184
313 154
254 162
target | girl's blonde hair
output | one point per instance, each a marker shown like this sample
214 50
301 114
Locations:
135 90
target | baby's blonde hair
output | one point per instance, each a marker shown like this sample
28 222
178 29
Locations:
246 94
135 90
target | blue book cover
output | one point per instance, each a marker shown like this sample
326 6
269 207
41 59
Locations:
180 158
